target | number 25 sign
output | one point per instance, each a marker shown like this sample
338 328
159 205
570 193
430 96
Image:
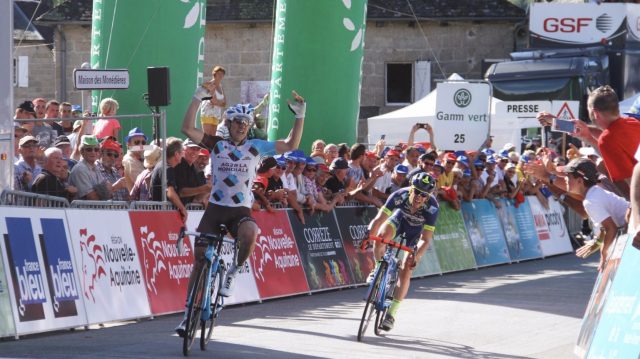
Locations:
462 115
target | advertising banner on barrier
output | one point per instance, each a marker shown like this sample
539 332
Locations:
323 256
353 223
600 296
165 272
7 327
246 289
519 230
193 220
450 241
428 265
552 231
275 261
113 284
617 334
487 238
45 282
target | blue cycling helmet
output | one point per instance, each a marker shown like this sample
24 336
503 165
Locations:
241 110
423 182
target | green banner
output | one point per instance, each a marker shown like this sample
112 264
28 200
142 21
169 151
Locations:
428 265
318 51
138 34
7 327
451 242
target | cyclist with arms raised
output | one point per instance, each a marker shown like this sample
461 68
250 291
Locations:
411 211
233 166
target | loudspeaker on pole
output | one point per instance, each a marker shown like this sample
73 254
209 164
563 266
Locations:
158 86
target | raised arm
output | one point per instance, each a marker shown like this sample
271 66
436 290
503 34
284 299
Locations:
202 92
298 107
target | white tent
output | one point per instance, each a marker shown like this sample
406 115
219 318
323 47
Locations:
627 103
396 125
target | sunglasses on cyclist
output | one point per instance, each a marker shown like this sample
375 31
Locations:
421 193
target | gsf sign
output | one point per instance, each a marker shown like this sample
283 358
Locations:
462 115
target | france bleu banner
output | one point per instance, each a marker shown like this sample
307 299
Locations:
618 332
487 238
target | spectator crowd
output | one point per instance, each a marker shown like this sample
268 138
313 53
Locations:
77 158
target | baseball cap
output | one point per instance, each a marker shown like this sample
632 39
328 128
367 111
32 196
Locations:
267 163
110 145
508 146
437 163
323 168
491 160
451 157
204 152
24 140
89 140
61 140
582 167
587 151
77 124
264 181
189 143
371 154
393 152
27 106
464 160
310 161
401 169
152 156
339 164
136 131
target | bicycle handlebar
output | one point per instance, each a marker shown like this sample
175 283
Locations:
209 236
392 243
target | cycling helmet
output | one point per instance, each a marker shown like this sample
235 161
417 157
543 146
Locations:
423 182
244 111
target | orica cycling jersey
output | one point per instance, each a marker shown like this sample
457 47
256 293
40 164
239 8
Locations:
398 205
233 169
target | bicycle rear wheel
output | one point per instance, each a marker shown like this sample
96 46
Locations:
216 305
370 305
195 310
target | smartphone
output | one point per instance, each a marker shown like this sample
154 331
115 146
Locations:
382 137
566 126
422 125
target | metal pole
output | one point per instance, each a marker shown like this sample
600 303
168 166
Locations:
163 139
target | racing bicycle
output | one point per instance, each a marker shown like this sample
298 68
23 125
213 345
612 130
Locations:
204 302
381 289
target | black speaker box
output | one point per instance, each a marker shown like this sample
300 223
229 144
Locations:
158 86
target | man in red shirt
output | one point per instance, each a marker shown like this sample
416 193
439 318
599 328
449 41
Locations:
616 137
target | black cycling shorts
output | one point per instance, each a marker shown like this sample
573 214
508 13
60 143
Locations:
232 217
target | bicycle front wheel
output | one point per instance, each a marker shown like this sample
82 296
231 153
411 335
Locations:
216 306
370 305
194 311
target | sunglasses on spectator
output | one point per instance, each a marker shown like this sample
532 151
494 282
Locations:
428 163
140 142
311 169
112 154
283 167
29 145
91 149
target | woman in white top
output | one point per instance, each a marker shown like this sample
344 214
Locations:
211 110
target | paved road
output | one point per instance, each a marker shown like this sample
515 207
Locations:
526 310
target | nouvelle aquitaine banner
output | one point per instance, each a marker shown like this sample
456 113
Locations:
318 51
600 296
617 334
112 279
166 272
487 238
450 241
138 34
44 286
7 328
323 256
276 263
552 231
519 230
353 223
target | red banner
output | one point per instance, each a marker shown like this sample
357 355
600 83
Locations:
166 273
276 262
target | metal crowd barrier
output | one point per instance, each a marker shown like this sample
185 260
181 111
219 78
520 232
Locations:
28 199
112 205
195 207
151 206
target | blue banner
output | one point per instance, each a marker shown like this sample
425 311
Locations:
59 265
26 274
519 230
484 229
618 332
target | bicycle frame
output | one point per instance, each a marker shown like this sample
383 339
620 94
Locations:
390 276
